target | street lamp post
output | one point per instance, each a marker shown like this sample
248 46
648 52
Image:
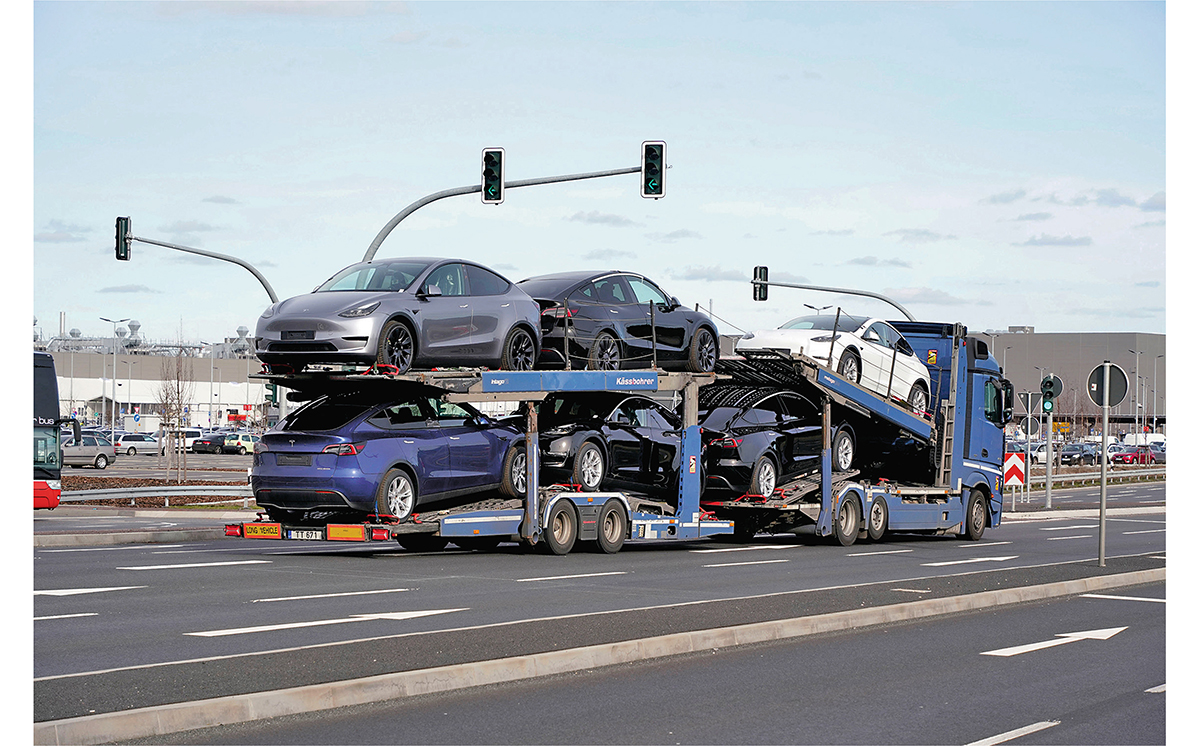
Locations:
129 385
114 387
1137 398
1154 428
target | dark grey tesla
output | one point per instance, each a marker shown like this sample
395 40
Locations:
415 312
611 320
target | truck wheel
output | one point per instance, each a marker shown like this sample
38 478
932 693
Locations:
764 477
101 461
849 367
845 524
397 346
514 477
877 519
843 451
396 495
605 353
702 353
588 469
563 528
976 518
518 351
611 527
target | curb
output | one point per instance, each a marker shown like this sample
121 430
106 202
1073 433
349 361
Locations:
166 536
161 720
1094 513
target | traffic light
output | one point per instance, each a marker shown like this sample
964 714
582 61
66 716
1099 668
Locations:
123 239
493 176
760 291
654 154
272 394
1047 395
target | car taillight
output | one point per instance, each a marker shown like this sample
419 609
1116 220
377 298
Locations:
260 447
728 442
344 449
558 312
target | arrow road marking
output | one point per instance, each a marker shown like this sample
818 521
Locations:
1014 734
968 561
395 616
1062 639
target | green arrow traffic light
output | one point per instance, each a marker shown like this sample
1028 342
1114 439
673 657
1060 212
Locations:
653 155
493 176
123 239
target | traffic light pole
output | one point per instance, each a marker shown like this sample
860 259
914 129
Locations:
214 255
847 291
391 224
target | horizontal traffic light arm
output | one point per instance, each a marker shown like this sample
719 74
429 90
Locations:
214 255
866 293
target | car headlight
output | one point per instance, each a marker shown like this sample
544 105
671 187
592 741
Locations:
270 311
748 335
363 310
826 338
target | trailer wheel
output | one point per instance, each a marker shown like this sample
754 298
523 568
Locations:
845 524
611 528
396 495
422 542
563 528
588 469
514 477
877 519
764 476
976 517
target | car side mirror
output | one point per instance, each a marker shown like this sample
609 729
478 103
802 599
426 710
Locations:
430 291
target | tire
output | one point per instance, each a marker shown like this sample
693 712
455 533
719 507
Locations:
850 366
918 398
397 345
101 461
845 523
843 451
515 474
396 495
702 353
131 451
877 519
562 528
764 477
241 451
605 353
975 521
519 352
611 527
589 468
422 542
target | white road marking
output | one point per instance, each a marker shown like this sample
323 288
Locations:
570 577
197 564
968 561
78 591
395 616
740 564
1148 531
910 590
1064 538
1124 598
742 549
327 595
1068 528
63 616
1013 734
882 551
1060 639
1157 689
984 544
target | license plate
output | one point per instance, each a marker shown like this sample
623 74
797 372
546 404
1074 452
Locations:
298 335
308 534
293 459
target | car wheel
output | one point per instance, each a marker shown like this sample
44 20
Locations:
843 451
611 527
562 528
764 477
702 354
850 367
101 461
605 353
241 450
515 475
519 353
396 495
588 469
918 398
131 451
397 345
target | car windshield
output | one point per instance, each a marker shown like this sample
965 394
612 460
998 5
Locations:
395 276
848 323
558 409
324 414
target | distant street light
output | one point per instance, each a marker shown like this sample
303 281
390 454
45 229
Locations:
114 386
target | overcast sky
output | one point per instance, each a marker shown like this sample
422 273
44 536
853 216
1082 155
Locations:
992 163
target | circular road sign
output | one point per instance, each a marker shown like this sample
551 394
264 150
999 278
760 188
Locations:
1032 426
1118 385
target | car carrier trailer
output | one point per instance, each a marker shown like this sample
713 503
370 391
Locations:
959 447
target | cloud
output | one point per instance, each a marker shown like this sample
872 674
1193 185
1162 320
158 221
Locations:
673 236
407 37
1004 198
920 235
606 254
1148 284
718 274
1035 216
186 226
1113 198
1157 203
598 218
931 296
220 199
60 232
788 277
1044 240
128 289
870 261
1152 224
842 232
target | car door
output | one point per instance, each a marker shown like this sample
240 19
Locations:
798 440
908 368
670 329
876 358
412 436
616 310
644 443
444 315
492 314
475 452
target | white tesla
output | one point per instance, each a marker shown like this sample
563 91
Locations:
866 351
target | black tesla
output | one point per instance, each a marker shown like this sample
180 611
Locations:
612 320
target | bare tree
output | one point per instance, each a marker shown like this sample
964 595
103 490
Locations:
176 384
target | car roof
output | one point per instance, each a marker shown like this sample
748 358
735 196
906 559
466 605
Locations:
560 282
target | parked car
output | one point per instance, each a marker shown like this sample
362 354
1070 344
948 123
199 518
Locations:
239 443
757 438
91 450
1135 455
210 443
1079 454
610 440
406 313
606 319
1160 452
863 351
183 438
358 455
132 443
